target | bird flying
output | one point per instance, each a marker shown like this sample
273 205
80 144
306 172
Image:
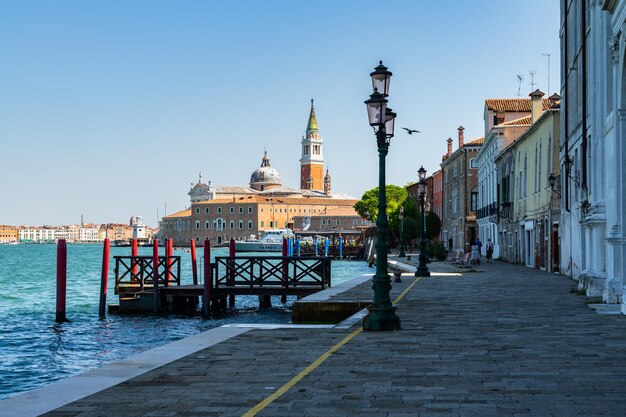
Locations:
411 131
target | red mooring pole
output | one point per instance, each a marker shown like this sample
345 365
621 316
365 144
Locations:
61 280
208 281
169 262
231 252
134 252
104 279
283 298
155 276
194 262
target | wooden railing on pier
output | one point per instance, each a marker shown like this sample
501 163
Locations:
136 273
271 274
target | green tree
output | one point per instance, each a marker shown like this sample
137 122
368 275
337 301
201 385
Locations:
409 229
369 204
433 225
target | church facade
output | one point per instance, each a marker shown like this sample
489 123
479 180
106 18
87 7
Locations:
219 213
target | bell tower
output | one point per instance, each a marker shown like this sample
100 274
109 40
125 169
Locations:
312 160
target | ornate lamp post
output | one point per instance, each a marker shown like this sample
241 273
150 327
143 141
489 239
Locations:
382 314
401 218
422 269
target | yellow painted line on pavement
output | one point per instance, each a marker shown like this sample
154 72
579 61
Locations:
293 381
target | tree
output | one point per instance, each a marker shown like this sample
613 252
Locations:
369 204
433 225
409 229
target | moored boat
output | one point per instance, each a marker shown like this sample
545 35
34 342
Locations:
272 241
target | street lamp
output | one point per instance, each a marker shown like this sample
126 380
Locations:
382 314
401 218
422 269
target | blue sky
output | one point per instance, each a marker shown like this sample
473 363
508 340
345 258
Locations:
111 108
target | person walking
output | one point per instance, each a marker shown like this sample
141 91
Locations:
489 248
480 247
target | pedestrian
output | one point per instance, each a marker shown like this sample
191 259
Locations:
489 248
480 246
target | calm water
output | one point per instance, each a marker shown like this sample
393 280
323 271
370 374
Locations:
35 351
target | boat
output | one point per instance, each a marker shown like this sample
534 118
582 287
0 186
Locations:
272 241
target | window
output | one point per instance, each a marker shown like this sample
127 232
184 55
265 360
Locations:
197 224
354 222
206 224
232 224
240 224
207 210
249 224
240 210
249 209
473 164
197 210
219 210
271 224
232 210
338 222
262 210
262 223
474 202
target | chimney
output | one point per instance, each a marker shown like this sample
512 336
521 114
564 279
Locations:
461 129
449 147
536 105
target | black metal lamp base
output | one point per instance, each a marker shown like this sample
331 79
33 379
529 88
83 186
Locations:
381 319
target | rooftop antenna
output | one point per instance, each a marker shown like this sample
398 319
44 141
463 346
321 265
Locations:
548 55
520 78
532 79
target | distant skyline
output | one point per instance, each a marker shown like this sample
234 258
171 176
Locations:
112 109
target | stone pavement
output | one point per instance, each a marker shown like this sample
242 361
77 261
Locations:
503 341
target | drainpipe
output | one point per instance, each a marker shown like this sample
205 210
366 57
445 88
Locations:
584 88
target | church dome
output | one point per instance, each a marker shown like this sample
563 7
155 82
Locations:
265 177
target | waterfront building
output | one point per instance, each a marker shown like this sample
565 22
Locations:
504 129
35 234
460 193
219 213
89 233
593 155
9 233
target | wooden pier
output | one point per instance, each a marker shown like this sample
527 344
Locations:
229 276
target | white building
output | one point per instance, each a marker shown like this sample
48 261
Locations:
89 233
593 155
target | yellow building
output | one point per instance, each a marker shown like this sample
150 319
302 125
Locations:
8 233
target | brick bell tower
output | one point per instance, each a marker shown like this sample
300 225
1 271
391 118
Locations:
312 160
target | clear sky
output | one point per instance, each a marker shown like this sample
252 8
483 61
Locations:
111 108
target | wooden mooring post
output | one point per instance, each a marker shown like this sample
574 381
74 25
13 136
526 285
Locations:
61 280
104 278
194 262
231 252
285 275
206 294
155 277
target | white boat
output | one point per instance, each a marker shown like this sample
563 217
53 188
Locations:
272 241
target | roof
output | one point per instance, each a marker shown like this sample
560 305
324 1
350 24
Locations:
312 125
513 104
522 121
283 200
182 213
478 141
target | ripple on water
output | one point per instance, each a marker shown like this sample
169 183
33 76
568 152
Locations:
36 351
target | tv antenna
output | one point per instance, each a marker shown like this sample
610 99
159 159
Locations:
520 78
532 79
548 55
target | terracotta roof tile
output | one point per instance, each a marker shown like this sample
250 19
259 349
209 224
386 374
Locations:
182 213
478 141
522 121
514 104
